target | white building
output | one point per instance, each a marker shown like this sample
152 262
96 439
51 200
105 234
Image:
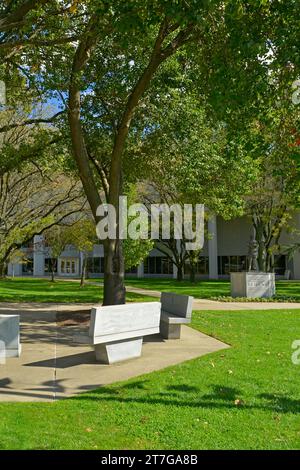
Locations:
225 251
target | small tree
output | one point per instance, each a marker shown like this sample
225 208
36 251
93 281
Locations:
82 235
56 238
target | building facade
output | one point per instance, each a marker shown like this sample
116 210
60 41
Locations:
225 251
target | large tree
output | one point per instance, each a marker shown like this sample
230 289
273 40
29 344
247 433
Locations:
126 52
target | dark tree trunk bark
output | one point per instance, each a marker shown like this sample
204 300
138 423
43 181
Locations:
53 262
192 274
114 289
179 272
2 270
83 272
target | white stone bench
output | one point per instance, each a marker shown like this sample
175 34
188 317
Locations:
176 310
117 331
10 336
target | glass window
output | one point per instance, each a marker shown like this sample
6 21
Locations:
225 265
166 266
48 265
95 265
27 267
202 265
233 263
158 265
132 270
280 263
152 265
228 264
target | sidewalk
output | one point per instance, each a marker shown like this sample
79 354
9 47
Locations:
206 304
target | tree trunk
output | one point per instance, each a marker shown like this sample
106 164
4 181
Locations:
83 271
192 273
52 270
114 289
2 270
261 258
179 272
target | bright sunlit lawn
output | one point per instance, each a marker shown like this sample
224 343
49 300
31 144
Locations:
246 397
43 290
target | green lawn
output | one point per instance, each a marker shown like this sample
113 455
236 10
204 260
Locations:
42 290
246 397
207 289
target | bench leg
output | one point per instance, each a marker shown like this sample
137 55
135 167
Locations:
119 350
168 331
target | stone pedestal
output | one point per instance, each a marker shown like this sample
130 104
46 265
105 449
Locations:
252 284
170 331
118 350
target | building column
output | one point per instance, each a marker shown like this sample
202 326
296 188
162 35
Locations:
140 270
38 256
213 247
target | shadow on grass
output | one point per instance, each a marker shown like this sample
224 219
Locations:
189 397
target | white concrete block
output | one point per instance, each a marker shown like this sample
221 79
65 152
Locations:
119 350
10 334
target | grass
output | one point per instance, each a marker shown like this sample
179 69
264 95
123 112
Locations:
43 290
246 397
208 289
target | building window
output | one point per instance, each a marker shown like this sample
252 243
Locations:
201 266
50 264
95 265
167 266
27 266
132 270
158 265
280 264
228 264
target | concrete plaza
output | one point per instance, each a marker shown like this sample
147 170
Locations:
52 366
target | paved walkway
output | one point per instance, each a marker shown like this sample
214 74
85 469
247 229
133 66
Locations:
51 366
206 304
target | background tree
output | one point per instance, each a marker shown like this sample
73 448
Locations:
82 235
35 190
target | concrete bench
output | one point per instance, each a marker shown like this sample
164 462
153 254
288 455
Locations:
175 310
10 336
117 331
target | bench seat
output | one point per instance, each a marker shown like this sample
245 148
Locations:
117 331
172 319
